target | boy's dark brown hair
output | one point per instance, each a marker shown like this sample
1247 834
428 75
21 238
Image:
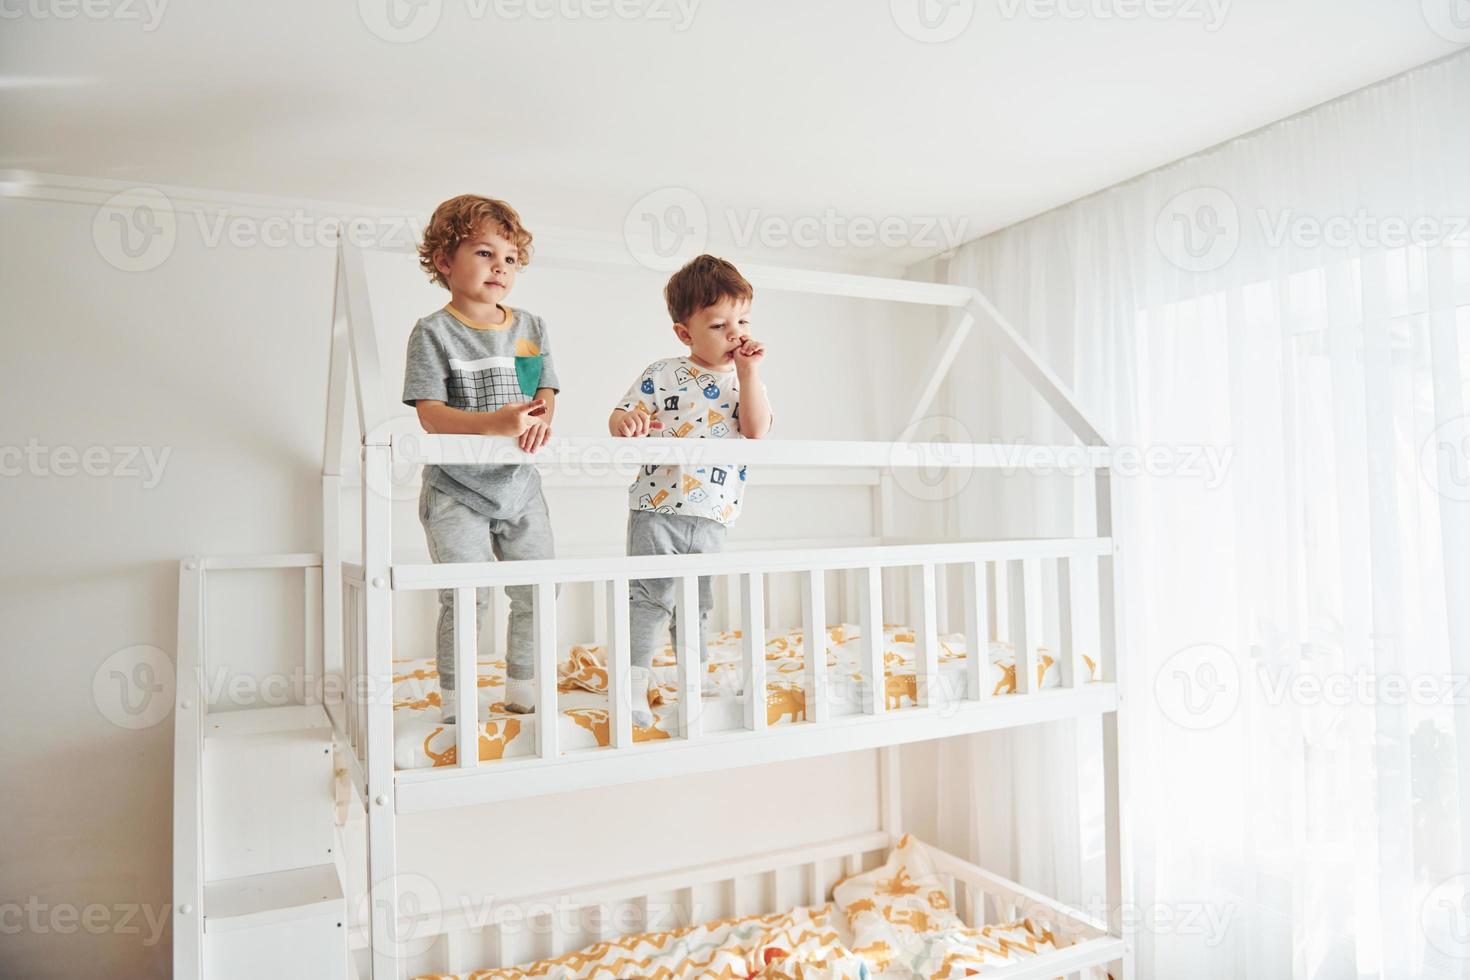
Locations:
704 281
460 218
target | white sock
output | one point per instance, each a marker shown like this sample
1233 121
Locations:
520 695
639 680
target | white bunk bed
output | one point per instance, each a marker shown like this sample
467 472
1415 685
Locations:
243 890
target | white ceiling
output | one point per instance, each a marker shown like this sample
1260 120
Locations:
779 110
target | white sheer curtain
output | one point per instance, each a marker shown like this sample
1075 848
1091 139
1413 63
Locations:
1285 322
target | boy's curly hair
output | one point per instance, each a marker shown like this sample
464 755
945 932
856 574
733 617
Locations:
704 281
461 217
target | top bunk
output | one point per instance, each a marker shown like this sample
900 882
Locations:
916 640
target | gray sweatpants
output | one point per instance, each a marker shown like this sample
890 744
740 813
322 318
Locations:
652 600
457 533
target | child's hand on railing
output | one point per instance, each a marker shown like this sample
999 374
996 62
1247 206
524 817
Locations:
515 419
634 424
536 435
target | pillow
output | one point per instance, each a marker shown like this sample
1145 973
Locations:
902 920
892 907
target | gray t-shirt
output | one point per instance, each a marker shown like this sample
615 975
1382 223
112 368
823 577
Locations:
480 368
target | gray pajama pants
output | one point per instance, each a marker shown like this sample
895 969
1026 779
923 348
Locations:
652 600
457 533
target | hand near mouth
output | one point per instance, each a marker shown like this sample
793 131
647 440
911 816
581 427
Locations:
748 354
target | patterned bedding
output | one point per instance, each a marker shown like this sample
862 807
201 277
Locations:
803 944
421 740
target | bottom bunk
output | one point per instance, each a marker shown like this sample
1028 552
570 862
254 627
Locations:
919 912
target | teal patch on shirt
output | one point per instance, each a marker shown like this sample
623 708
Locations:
528 373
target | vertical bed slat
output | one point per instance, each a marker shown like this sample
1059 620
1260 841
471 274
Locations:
349 666
1069 592
619 663
312 599
1027 631
753 648
547 716
600 621
1000 621
814 642
926 640
687 637
498 616
870 622
467 681
941 597
978 679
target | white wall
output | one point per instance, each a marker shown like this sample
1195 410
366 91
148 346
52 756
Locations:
217 358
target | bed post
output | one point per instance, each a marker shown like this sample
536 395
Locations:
377 557
890 793
1115 795
339 356
188 870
